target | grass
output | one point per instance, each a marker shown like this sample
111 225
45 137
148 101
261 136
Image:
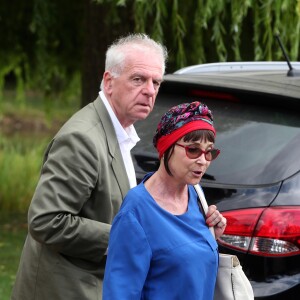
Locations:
36 114
25 129
13 229
20 167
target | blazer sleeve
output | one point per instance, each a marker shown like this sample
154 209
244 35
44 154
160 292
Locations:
128 260
68 176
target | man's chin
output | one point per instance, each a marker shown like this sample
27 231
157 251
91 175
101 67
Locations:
143 114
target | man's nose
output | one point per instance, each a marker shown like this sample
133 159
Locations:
149 87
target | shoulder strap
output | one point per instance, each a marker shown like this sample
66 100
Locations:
203 203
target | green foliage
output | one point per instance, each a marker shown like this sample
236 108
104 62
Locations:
25 132
203 31
178 33
239 10
42 40
20 163
13 230
15 50
37 46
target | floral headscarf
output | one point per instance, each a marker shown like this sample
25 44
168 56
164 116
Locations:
180 120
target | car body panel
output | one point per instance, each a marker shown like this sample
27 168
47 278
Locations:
289 192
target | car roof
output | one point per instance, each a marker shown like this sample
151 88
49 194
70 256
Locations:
238 67
259 77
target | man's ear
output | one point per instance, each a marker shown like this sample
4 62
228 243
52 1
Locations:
107 82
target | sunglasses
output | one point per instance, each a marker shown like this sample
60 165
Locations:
195 152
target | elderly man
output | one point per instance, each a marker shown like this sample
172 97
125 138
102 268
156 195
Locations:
86 172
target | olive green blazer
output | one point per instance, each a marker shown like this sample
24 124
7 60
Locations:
82 183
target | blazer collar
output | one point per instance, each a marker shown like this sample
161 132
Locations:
113 146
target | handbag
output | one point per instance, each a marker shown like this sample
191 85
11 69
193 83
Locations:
231 283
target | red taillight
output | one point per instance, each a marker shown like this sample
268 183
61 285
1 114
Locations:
263 231
213 94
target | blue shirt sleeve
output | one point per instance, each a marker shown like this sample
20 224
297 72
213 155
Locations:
128 259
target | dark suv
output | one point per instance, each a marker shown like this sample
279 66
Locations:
255 181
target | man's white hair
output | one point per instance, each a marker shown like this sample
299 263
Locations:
116 53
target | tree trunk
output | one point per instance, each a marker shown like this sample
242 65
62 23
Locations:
94 47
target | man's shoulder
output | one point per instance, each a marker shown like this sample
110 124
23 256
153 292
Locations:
86 119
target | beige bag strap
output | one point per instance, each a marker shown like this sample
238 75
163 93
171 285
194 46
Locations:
203 203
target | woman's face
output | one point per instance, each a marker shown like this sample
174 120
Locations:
187 170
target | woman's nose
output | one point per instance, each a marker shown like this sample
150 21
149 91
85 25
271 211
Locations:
201 159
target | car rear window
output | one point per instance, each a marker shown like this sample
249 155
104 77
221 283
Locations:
260 144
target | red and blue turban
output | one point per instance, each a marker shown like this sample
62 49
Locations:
180 120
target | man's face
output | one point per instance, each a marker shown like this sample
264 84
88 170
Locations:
132 94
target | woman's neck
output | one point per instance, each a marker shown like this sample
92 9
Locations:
169 194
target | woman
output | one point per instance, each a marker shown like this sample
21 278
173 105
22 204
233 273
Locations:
160 246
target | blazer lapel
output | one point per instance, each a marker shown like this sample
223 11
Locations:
113 147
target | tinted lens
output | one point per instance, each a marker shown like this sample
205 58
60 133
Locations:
193 152
212 154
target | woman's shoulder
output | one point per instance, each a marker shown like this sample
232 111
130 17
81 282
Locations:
134 198
136 195
134 206
192 191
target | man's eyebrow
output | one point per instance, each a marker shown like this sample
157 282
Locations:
138 74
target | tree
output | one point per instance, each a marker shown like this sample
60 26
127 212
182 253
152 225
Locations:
51 44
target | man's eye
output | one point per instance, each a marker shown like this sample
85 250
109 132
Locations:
156 83
137 80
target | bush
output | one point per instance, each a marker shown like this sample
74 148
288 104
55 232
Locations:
20 165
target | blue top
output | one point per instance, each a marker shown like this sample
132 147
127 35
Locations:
154 254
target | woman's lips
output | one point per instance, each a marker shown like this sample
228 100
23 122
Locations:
197 173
